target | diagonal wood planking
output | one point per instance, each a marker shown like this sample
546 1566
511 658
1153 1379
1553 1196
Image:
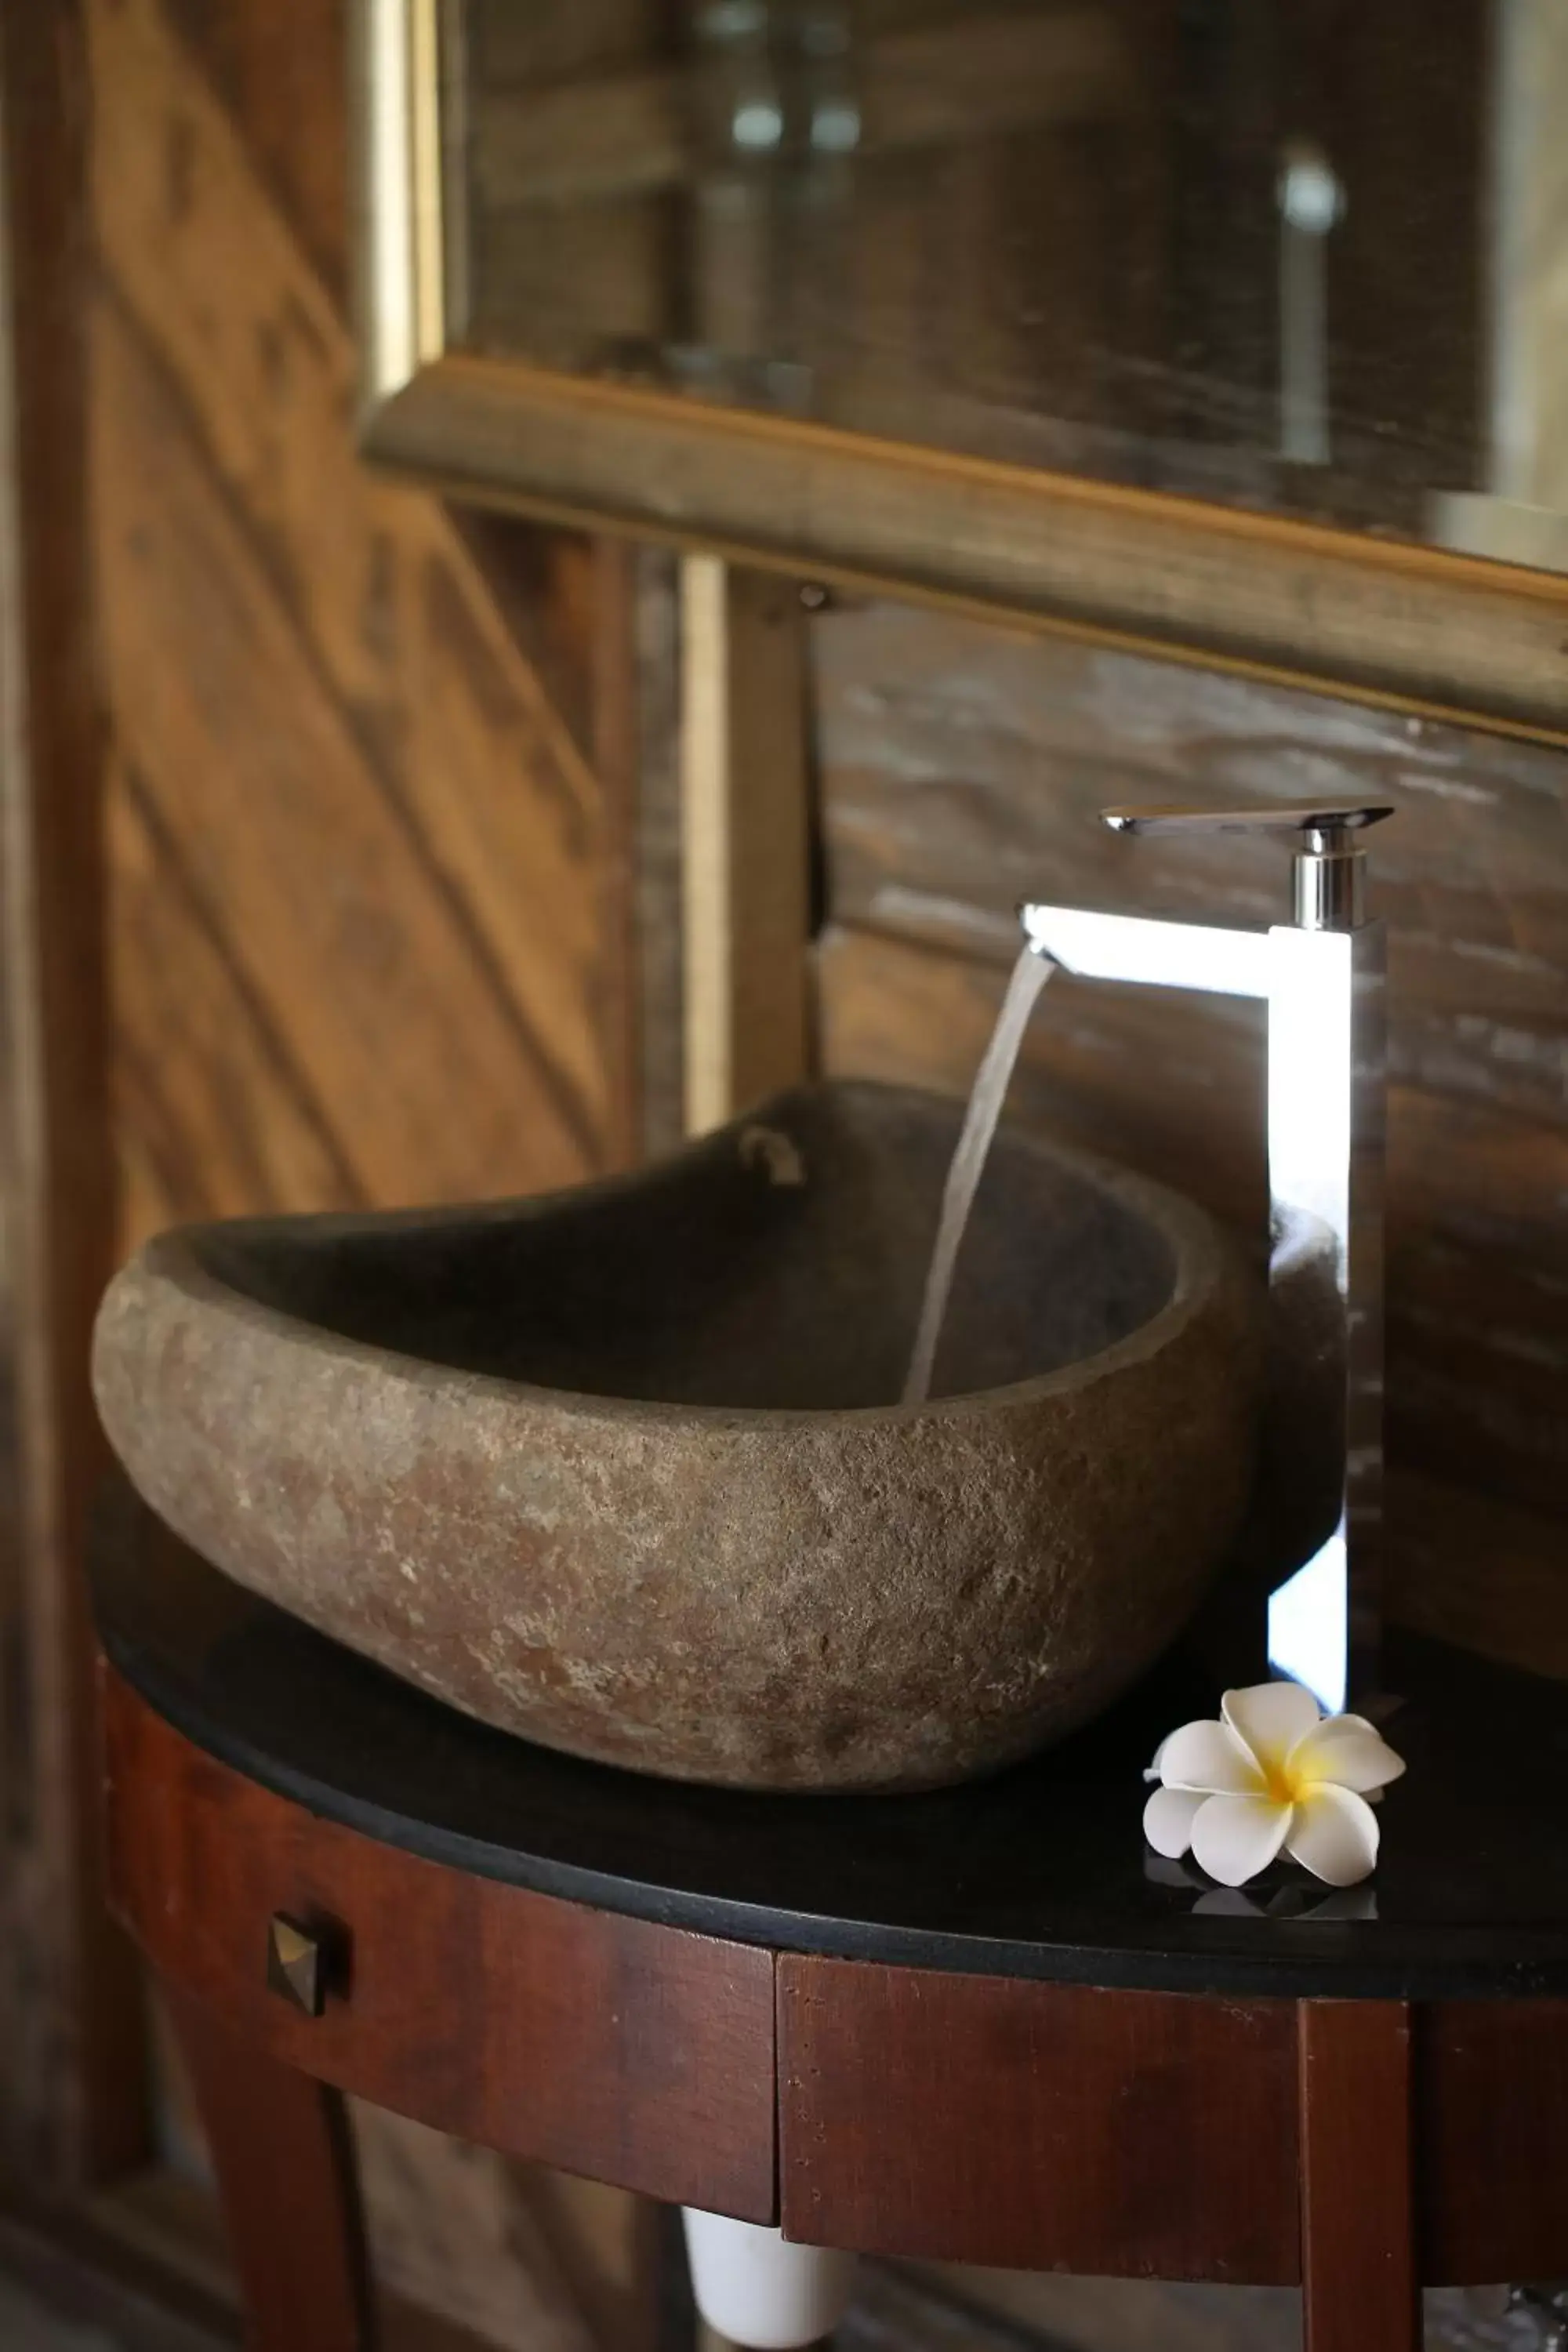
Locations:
329 910
196 1053
353 783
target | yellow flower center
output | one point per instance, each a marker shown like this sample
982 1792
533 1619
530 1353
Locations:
1283 1786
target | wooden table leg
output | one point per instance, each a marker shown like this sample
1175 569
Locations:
1360 2278
283 2152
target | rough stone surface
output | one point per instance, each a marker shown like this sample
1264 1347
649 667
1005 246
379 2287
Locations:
618 1471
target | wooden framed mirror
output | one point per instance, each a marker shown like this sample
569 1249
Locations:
1162 327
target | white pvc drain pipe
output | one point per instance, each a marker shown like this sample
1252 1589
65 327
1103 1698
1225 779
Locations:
752 2285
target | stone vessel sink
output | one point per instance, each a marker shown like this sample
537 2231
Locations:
621 1470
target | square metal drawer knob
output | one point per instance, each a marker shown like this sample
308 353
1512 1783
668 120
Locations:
296 1964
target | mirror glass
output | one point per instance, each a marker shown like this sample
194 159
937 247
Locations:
1305 257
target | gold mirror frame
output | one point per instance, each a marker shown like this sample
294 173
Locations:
1404 626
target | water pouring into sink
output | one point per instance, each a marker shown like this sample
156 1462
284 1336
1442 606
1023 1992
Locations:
1028 977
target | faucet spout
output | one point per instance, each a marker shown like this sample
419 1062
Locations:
1141 948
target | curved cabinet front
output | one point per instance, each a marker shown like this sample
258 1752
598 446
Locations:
634 2053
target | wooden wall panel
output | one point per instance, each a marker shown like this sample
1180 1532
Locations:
332 904
401 621
320 692
71 2092
283 74
199 1059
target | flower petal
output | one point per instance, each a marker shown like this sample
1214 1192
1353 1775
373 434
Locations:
1236 1837
1271 1718
1168 1819
1348 1752
1334 1835
1207 1755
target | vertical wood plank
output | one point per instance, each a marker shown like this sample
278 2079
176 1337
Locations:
71 2100
1360 2279
615 745
707 915
658 854
745 837
285 2162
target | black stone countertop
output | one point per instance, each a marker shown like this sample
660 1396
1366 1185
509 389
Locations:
1041 1873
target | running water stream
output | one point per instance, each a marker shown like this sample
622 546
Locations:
1030 974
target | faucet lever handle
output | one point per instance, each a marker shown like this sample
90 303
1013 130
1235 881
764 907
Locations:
1328 881
1328 820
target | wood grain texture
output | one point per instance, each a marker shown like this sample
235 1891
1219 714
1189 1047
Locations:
1491 2104
1360 2283
259 774
285 2162
71 2104
198 1052
615 736
1038 2126
637 2054
1472 1569
1381 623
458 825
746 838
281 70
658 855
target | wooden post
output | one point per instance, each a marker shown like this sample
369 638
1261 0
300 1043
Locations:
284 2157
71 2089
1360 2283
745 837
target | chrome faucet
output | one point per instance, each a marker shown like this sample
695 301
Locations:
1321 977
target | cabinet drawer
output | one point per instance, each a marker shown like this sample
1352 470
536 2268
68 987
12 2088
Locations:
610 2046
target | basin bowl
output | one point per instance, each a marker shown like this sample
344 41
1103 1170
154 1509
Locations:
623 1471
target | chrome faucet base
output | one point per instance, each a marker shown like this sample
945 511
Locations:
1322 977
1326 1060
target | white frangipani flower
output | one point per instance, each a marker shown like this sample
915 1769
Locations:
1272 1773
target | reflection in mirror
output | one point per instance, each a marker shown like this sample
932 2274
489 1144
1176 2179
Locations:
1298 256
